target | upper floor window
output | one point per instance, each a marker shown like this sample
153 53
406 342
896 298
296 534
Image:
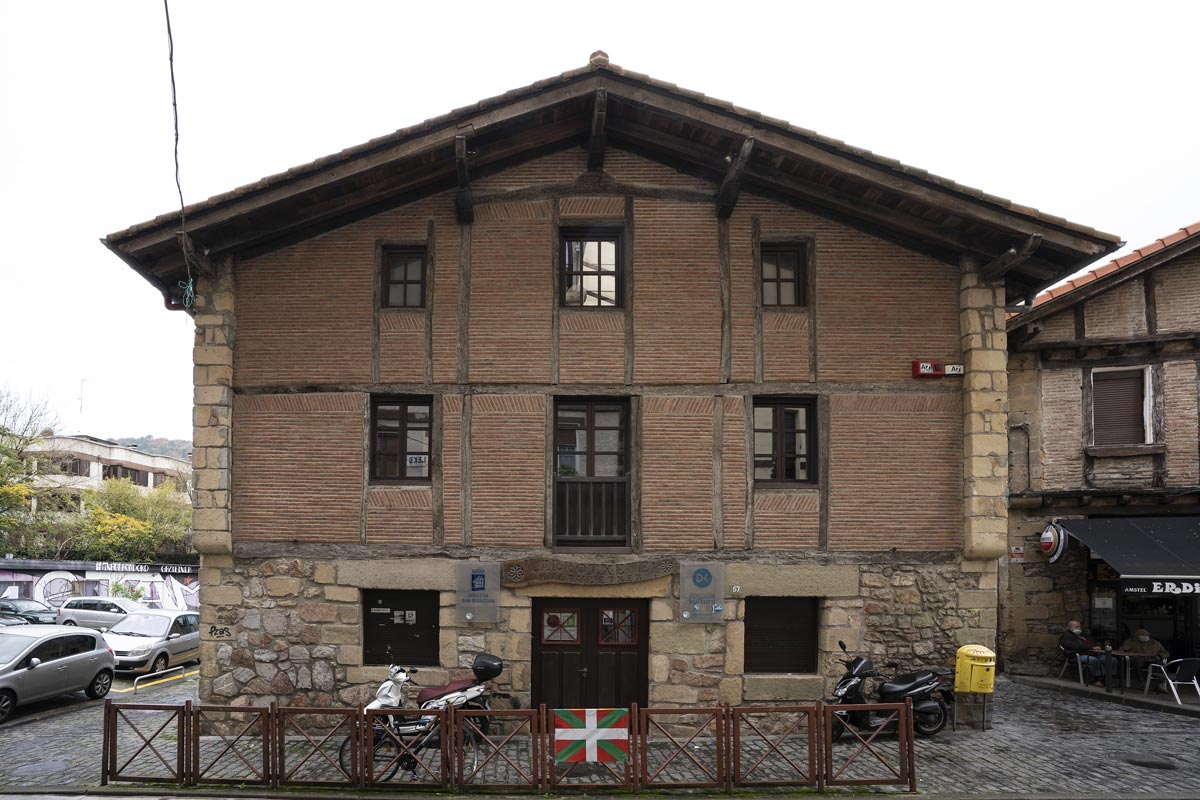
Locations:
404 277
784 277
400 439
785 439
591 492
1120 408
592 269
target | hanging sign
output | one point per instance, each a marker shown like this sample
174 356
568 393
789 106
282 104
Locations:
591 734
1053 542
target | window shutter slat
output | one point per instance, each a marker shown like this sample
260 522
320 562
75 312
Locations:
1117 408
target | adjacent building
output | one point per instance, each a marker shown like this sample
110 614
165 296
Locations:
64 466
1104 520
653 396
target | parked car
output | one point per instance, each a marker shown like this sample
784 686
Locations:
40 661
12 619
152 640
30 610
96 612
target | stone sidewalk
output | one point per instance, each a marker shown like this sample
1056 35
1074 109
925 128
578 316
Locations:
1043 743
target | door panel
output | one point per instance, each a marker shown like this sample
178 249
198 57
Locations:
590 653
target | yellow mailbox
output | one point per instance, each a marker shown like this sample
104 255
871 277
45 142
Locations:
975 670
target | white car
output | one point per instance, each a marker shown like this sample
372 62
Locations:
40 661
152 640
96 612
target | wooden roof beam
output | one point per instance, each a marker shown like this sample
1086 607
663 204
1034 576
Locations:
731 185
599 135
464 202
1010 258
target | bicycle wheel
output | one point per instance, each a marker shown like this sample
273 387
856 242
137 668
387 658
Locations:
469 757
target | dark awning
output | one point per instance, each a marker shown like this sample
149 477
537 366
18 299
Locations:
1143 547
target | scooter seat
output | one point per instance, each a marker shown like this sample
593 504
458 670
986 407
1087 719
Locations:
430 692
902 684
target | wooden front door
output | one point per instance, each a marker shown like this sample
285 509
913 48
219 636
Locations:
590 653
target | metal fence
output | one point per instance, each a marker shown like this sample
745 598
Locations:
719 749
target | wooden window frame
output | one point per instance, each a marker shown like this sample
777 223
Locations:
803 250
592 233
542 626
637 629
385 271
779 624
590 403
404 402
1147 404
776 404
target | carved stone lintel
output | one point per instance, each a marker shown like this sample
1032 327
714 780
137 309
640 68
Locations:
527 571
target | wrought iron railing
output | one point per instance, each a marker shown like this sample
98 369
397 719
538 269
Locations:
591 511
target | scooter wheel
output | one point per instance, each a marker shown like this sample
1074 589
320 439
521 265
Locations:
930 724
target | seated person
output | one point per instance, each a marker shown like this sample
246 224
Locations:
1142 644
1089 652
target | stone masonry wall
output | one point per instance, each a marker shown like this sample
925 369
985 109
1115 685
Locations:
288 629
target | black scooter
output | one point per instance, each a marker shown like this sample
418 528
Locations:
930 711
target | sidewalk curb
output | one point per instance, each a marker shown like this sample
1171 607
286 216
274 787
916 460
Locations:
1131 700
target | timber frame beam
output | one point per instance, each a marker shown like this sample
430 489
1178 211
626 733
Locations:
1013 257
464 201
731 184
599 131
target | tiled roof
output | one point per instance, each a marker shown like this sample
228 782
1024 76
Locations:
1118 264
599 63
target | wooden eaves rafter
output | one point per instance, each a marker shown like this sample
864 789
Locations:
731 185
464 201
599 131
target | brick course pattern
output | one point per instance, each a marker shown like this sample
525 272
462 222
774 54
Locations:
1182 411
1121 311
298 467
677 308
1177 294
511 294
591 346
787 519
677 473
733 473
508 478
399 515
895 479
1062 432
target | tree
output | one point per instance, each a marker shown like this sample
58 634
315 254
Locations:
121 523
23 421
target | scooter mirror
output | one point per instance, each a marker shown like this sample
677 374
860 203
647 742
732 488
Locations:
842 645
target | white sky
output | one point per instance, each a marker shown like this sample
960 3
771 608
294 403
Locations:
1080 109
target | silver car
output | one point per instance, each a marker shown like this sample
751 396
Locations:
96 612
152 640
40 661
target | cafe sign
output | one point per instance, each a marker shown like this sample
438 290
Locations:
1160 586
1053 542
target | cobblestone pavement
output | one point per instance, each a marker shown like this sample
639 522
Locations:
1042 742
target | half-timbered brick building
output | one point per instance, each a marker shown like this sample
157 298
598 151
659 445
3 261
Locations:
610 378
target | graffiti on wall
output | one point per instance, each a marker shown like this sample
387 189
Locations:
165 587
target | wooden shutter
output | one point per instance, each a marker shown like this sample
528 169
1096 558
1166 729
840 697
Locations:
781 634
1118 403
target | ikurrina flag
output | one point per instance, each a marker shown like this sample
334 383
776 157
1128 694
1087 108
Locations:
591 734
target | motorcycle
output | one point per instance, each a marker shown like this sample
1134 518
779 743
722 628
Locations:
930 698
400 738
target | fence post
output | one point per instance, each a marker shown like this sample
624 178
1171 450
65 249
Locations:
277 744
909 750
184 746
106 745
817 757
634 749
726 747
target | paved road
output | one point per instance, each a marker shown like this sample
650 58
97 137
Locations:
1042 743
57 742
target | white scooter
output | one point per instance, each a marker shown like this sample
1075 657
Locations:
400 738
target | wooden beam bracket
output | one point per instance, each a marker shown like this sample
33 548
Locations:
599 132
1010 258
195 256
731 185
464 200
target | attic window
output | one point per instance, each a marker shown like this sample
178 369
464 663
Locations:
591 276
404 277
784 274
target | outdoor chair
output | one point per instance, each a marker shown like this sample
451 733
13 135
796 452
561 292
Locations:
1180 672
1068 657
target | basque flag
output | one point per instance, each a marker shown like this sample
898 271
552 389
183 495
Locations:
591 734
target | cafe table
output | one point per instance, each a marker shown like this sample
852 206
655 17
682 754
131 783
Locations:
1128 656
